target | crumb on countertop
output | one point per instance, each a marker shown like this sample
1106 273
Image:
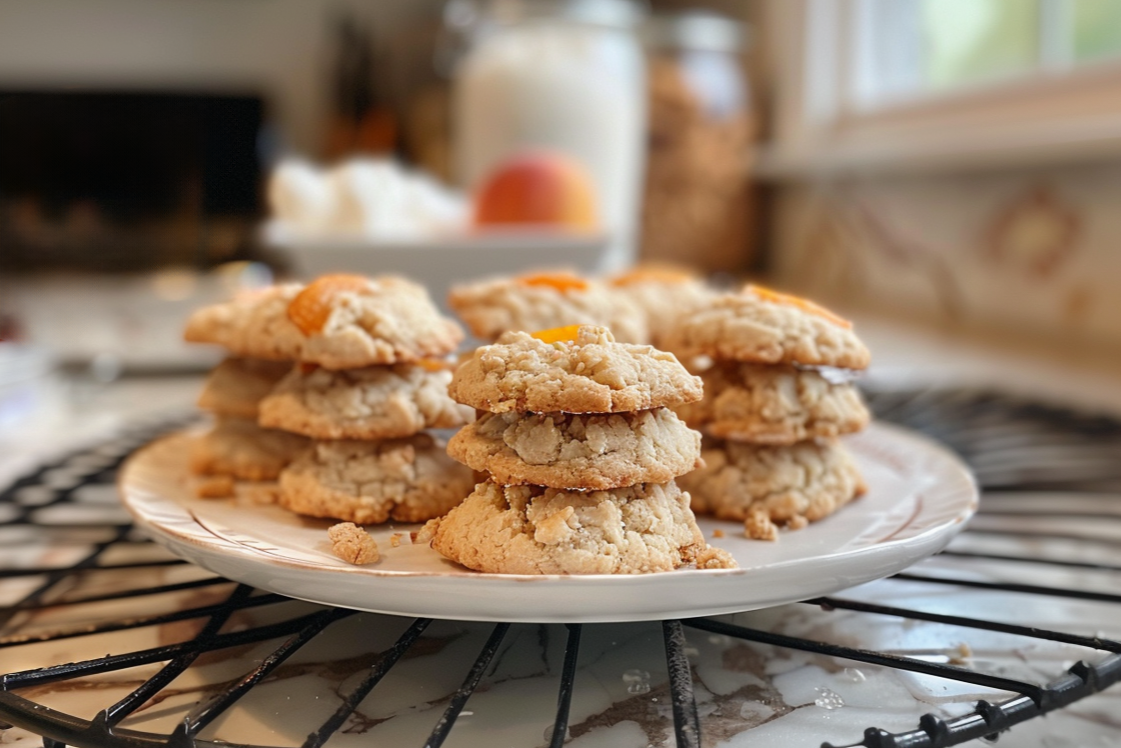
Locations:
216 487
717 533
353 544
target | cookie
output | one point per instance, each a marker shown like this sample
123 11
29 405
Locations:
336 321
774 404
542 301
236 386
253 325
579 451
238 447
790 485
407 480
536 530
583 370
377 402
350 322
761 326
662 294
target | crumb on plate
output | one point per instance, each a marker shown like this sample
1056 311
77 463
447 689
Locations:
216 487
353 544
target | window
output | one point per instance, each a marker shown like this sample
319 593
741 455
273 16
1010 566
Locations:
915 48
943 83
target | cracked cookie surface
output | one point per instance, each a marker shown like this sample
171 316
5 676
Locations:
368 482
379 402
362 322
754 327
789 485
589 374
492 307
774 404
597 451
536 530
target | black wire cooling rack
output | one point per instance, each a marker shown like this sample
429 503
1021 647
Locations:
1024 454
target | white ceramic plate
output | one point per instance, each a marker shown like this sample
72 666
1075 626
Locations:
919 496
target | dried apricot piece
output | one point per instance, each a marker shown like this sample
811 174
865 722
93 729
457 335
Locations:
568 334
652 274
432 364
563 282
311 308
805 305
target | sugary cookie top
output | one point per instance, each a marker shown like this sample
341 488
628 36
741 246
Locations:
578 369
254 324
336 321
763 326
543 300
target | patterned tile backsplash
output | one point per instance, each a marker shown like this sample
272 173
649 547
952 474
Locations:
1031 254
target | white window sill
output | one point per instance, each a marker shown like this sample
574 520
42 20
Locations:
1069 117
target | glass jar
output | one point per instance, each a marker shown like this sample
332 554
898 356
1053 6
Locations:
556 75
701 126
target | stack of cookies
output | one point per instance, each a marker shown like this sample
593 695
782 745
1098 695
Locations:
582 448
777 374
369 378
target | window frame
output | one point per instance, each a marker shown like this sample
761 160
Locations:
823 123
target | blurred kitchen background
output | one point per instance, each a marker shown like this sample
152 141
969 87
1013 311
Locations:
954 165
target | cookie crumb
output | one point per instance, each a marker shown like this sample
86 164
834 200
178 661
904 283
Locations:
395 540
715 558
262 494
758 526
353 544
217 487
797 522
717 533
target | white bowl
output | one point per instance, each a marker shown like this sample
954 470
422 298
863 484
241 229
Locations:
440 263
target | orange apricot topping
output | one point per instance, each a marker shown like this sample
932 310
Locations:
563 282
805 305
566 334
652 275
432 364
311 308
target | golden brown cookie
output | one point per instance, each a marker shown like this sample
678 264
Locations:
663 294
761 326
774 404
376 402
254 325
790 485
351 321
541 301
582 370
238 447
236 386
336 321
579 451
407 480
535 530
